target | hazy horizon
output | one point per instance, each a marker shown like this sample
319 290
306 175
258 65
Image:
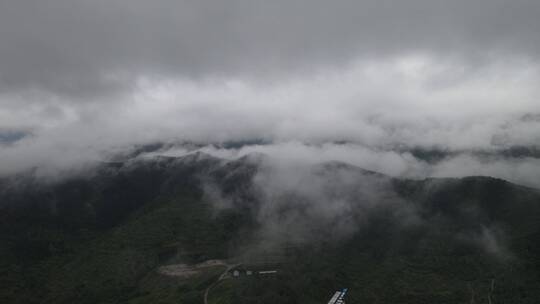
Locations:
83 80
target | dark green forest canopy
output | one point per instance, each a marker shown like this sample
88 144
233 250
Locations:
101 238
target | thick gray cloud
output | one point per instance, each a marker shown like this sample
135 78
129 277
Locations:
407 101
86 47
81 79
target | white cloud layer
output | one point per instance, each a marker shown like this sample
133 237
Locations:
524 171
413 100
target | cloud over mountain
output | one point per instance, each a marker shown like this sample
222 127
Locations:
80 80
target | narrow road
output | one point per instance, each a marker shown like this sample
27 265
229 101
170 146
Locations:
221 277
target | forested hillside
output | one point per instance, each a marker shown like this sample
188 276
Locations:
101 237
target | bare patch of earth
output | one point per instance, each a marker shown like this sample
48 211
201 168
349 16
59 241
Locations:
185 271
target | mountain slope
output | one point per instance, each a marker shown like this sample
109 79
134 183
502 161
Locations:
100 238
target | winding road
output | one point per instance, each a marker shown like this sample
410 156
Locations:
221 277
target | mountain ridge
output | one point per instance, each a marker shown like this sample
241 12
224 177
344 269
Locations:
100 238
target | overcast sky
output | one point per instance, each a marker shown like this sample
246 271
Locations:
86 78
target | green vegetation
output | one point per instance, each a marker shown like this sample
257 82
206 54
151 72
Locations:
120 264
472 239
